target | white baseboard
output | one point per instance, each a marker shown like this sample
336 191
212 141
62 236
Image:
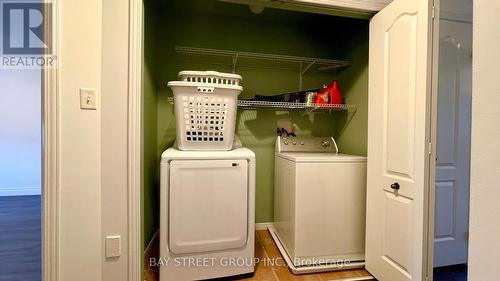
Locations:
151 242
263 225
20 191
149 253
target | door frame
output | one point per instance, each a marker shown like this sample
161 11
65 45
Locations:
50 176
50 156
134 144
431 190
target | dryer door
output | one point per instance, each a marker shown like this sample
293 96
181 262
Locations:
208 205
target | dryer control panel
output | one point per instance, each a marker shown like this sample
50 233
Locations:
306 144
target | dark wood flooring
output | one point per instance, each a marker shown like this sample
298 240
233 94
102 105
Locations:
451 273
20 238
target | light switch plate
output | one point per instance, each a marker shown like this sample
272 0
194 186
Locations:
113 246
88 99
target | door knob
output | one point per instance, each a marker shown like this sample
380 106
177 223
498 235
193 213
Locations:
395 186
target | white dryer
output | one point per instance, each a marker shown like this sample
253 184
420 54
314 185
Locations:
319 205
207 214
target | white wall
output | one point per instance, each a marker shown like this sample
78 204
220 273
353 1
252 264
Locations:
114 131
93 143
484 239
20 129
80 233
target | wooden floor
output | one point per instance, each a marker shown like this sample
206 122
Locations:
265 248
451 273
20 238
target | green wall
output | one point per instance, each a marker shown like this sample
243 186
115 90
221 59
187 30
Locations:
149 160
213 24
353 138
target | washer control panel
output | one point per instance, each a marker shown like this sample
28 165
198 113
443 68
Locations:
306 144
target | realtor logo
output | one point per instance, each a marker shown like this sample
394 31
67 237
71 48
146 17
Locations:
27 34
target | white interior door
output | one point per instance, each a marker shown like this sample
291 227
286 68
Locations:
453 143
398 140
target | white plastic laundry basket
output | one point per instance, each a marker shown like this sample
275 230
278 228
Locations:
205 109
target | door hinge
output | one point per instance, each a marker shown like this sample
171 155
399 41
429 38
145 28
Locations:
433 11
430 148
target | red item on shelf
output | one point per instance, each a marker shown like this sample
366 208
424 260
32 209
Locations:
335 94
322 96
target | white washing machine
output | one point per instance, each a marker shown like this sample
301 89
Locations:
319 205
207 214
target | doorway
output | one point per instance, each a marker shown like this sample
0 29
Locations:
453 144
20 176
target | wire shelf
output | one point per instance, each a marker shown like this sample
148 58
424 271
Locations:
260 60
254 104
348 109
294 105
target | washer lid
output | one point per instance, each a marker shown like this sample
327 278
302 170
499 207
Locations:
318 157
